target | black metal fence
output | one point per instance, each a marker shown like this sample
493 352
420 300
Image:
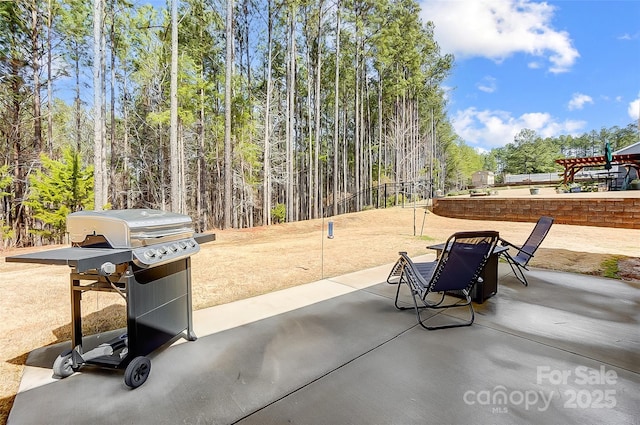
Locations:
383 196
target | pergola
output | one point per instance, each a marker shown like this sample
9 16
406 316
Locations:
573 165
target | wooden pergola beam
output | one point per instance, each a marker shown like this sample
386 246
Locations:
573 165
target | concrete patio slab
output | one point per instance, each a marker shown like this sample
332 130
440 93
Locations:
563 350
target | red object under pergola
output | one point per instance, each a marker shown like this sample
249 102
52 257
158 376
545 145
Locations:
573 165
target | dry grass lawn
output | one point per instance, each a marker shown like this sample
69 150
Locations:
241 263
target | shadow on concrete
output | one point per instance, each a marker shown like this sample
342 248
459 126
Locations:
355 359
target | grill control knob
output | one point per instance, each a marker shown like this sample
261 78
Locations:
182 244
175 247
150 253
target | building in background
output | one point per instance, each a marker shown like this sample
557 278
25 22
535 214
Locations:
482 179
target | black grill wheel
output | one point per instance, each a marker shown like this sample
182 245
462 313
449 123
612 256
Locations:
137 372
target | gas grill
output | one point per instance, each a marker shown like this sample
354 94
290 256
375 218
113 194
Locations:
144 256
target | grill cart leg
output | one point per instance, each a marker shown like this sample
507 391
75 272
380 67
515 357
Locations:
191 335
137 372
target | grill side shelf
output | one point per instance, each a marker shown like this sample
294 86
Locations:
82 259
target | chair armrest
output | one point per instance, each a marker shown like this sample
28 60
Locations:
417 275
505 242
517 258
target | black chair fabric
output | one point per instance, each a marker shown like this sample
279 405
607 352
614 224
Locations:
525 253
458 269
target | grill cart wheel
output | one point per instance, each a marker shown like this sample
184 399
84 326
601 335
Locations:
137 372
63 365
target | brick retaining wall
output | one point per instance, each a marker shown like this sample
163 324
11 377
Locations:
603 212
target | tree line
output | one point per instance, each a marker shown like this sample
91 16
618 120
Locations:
531 153
238 113
283 107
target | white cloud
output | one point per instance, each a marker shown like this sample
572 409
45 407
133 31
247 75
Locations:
629 37
487 85
446 92
578 101
488 129
634 109
497 29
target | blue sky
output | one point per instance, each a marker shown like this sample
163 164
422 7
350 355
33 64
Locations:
556 67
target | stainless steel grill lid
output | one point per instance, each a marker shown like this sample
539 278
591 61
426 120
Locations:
128 228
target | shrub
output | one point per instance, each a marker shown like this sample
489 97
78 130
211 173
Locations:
394 200
278 213
60 188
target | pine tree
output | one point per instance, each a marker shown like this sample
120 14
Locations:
60 188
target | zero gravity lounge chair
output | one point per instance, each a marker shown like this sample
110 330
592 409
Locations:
519 261
458 269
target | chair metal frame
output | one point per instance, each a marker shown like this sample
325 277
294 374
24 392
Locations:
395 273
458 269
520 260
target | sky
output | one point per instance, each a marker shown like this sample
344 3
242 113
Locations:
555 67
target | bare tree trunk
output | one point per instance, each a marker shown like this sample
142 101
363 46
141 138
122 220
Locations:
396 141
311 183
432 152
49 80
381 148
18 218
290 119
336 113
161 163
200 213
98 125
369 158
266 184
317 191
127 148
228 172
176 204
78 101
345 156
113 163
35 63
103 125
182 184
356 135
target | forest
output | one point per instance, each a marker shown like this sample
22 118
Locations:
238 113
